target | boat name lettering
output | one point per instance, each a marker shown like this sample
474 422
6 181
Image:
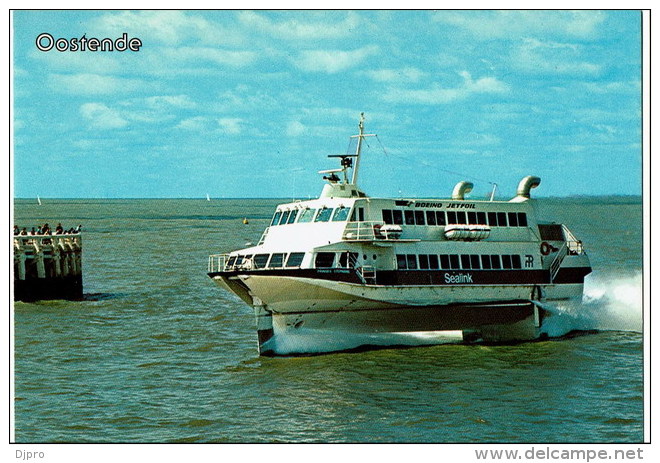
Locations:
461 206
428 205
458 278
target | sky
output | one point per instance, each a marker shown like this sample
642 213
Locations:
250 103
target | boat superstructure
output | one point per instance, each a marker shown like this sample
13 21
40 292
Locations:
349 263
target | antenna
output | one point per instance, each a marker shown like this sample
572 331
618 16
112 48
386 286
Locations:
359 136
492 193
347 161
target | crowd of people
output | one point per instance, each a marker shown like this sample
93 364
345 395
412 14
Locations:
46 230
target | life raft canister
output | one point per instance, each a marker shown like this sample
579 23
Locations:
545 248
377 232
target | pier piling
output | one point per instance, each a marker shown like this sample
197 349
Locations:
48 267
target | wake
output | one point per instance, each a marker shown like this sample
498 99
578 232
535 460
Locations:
609 304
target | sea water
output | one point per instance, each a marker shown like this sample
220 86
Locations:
156 352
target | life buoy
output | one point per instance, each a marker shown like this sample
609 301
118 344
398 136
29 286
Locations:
377 232
545 248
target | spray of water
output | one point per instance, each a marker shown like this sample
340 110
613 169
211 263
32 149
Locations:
609 303
312 341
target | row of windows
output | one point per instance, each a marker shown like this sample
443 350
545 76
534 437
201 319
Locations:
277 260
458 261
494 219
324 214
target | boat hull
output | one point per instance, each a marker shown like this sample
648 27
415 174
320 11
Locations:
353 314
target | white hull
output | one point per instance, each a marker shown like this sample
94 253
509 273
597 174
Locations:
355 315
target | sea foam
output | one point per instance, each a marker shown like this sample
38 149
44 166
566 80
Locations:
609 303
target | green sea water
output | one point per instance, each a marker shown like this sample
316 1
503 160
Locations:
156 352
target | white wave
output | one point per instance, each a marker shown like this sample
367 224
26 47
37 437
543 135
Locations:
311 341
609 303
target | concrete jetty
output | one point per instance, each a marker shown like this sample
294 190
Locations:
48 267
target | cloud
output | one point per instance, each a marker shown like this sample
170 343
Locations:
332 61
408 74
441 95
230 125
175 101
245 98
102 117
94 84
301 27
295 128
488 25
168 27
537 57
196 55
197 124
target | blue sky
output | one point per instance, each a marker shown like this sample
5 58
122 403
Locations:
249 103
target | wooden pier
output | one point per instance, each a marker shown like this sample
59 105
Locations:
48 267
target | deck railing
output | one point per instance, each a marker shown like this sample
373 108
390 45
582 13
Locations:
217 262
47 242
574 245
369 231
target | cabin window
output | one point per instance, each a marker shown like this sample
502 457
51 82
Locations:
295 259
465 262
387 216
430 217
472 218
260 260
444 261
292 216
412 261
423 261
513 219
419 218
231 261
440 218
451 217
506 261
485 262
397 215
276 260
515 261
348 259
551 232
410 217
358 214
239 261
324 259
306 215
495 262
324 214
401 262
341 214
501 219
433 262
276 218
522 219
285 217
475 262
454 261
492 219
481 218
